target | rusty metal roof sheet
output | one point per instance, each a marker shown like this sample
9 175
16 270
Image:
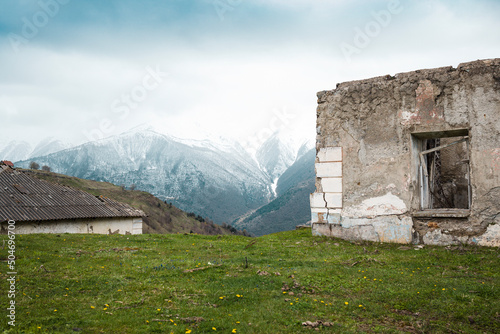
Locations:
24 198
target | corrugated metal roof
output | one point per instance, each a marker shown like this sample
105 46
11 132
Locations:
24 198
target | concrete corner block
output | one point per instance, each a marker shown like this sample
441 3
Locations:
328 169
317 200
330 154
333 200
331 184
334 218
324 229
318 215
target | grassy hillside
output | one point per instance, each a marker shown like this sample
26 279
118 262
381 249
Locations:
161 217
176 283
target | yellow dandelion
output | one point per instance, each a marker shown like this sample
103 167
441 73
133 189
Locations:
147 321
360 305
119 289
444 289
188 331
105 308
214 328
221 297
284 292
291 303
234 330
159 309
347 303
237 322
55 310
92 306
171 320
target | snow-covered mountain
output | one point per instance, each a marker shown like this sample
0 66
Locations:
291 207
217 180
47 146
277 154
211 176
16 150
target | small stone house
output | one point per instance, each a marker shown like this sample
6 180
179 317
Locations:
35 206
411 158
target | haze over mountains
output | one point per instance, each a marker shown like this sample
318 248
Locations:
16 150
216 177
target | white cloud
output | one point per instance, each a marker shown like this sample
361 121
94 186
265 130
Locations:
226 76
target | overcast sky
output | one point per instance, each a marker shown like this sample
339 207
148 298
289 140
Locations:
84 69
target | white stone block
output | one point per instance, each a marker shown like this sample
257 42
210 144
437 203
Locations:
330 154
328 169
331 184
317 200
333 200
334 211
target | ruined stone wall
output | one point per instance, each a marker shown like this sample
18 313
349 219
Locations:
368 137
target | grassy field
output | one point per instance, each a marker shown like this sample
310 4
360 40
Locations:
233 284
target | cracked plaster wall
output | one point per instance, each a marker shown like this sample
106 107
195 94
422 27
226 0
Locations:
367 187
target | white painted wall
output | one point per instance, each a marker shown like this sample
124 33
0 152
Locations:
97 226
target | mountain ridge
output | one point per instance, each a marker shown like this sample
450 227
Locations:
216 178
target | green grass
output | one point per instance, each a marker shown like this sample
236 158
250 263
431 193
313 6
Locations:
137 284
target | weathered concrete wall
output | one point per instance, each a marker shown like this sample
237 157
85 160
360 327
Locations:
367 184
102 226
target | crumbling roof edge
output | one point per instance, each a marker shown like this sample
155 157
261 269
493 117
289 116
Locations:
461 66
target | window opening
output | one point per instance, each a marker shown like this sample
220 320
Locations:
444 171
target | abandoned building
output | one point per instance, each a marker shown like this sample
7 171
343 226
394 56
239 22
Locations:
411 158
37 206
